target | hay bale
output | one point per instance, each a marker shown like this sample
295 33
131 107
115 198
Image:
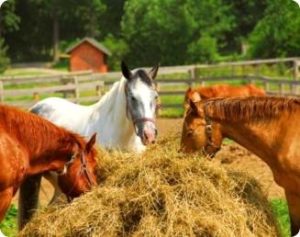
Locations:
162 193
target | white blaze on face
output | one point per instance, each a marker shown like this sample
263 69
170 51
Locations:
145 96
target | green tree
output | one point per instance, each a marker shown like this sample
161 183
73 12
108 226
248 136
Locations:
118 49
111 21
278 33
9 21
203 50
246 14
168 30
45 23
4 60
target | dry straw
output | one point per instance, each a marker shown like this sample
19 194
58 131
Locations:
161 193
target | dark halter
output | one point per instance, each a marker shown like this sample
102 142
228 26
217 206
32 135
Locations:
83 170
208 134
137 120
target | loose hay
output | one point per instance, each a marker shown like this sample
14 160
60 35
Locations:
162 193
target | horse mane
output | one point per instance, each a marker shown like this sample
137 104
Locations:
248 108
109 100
35 131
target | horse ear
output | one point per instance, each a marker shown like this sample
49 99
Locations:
153 72
125 71
195 108
195 96
90 143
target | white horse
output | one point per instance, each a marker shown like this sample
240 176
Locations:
124 119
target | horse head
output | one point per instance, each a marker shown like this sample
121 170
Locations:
141 96
199 132
79 174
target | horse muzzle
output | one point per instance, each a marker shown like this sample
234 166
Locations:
149 134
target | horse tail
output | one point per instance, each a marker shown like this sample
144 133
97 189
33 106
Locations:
28 199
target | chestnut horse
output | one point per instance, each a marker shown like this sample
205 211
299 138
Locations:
31 145
224 90
267 126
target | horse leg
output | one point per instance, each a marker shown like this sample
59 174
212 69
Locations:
28 199
5 200
53 179
293 201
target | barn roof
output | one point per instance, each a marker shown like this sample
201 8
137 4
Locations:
93 42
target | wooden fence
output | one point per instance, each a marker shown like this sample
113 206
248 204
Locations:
87 87
25 91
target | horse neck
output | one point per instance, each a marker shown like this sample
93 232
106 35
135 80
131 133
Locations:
53 155
256 136
49 148
112 108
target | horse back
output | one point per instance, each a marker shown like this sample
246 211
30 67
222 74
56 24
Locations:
62 113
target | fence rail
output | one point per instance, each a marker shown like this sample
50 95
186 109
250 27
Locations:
87 87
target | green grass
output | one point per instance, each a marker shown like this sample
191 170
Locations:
9 225
280 210
24 72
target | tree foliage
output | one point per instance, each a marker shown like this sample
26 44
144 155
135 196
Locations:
4 60
278 33
9 21
145 32
165 30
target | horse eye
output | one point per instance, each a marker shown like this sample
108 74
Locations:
133 98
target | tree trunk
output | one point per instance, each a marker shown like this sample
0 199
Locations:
0 24
55 36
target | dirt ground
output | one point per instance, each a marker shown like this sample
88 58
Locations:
231 155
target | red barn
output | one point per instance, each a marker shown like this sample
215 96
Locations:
88 54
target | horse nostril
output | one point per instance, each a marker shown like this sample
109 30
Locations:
156 132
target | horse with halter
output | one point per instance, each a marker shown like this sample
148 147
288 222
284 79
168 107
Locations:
267 126
124 118
31 146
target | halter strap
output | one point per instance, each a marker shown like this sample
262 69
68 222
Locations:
208 133
83 170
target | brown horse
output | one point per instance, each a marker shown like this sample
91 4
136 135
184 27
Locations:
223 91
30 145
267 126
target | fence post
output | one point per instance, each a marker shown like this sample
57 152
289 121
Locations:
296 69
77 93
281 92
266 84
158 102
98 90
244 74
232 71
65 80
192 78
257 70
36 96
1 91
